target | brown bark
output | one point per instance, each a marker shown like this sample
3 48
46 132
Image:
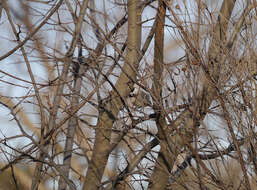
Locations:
159 178
109 111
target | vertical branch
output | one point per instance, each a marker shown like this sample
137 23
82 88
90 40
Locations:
159 177
158 56
139 31
73 122
59 92
119 184
109 110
